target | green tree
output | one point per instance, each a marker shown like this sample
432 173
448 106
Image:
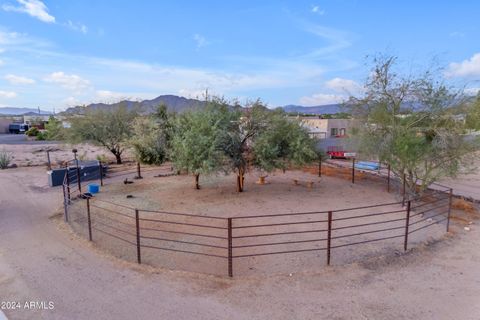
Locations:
110 128
408 124
193 144
285 142
473 115
148 141
241 128
54 129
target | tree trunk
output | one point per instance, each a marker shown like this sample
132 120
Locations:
118 156
197 185
240 179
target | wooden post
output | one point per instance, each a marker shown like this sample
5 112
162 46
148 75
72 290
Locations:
230 248
407 224
404 189
449 208
353 170
89 220
329 237
137 224
388 179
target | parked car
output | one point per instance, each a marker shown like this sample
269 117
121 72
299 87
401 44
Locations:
18 128
338 152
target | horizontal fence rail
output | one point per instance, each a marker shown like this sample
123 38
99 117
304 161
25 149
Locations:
231 239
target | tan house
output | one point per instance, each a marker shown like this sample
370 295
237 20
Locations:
329 128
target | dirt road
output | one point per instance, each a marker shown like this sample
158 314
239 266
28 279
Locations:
41 261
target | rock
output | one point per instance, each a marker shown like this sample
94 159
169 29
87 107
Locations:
470 222
429 220
13 165
466 228
129 196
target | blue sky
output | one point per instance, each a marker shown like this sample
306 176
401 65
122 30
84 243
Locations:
55 54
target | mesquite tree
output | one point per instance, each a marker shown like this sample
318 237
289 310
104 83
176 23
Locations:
241 129
408 124
152 136
285 142
110 128
193 145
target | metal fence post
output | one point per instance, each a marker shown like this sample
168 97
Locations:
404 189
449 208
230 249
89 220
78 180
407 224
320 167
68 184
353 170
49 164
388 179
137 224
101 172
65 205
139 173
329 237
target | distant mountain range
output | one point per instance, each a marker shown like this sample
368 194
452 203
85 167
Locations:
179 104
10 111
323 109
173 103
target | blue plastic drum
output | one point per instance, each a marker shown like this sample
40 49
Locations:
93 188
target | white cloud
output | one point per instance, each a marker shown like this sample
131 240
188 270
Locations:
336 40
466 68
200 41
344 85
472 91
457 34
77 27
106 95
34 8
8 94
68 81
317 10
321 99
71 102
18 80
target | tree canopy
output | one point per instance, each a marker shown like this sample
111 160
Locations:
408 124
111 129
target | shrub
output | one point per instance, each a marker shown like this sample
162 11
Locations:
5 159
41 136
32 132
102 158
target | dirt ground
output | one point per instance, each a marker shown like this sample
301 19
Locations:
280 195
40 259
35 153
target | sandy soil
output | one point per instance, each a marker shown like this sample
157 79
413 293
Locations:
36 154
218 198
41 260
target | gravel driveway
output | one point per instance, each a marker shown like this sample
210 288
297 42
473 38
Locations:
40 260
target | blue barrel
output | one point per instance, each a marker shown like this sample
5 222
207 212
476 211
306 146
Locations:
93 188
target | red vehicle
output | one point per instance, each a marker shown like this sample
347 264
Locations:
338 152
